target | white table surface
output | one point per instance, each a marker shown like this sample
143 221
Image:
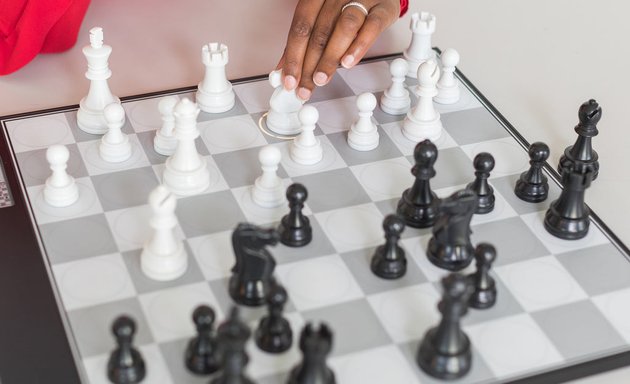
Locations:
535 60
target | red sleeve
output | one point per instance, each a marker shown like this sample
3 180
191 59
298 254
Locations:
28 27
404 7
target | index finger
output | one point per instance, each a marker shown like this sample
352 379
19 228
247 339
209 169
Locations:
306 13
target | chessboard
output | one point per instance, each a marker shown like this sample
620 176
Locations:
562 305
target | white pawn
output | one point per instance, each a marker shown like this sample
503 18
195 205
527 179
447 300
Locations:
165 141
306 149
423 122
268 191
422 26
395 99
186 172
363 135
448 86
283 108
215 93
90 114
115 146
60 189
163 256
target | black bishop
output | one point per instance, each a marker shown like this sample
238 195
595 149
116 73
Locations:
581 156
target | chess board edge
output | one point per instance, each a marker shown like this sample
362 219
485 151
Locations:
23 263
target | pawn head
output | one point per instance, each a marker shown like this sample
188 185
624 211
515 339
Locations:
167 105
269 156
483 162
425 153
114 113
278 295
590 112
428 73
186 107
393 225
203 316
161 199
124 328
57 154
485 253
450 57
456 285
366 102
539 151
297 193
275 78
308 115
399 67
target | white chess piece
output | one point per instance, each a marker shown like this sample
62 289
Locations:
60 189
268 190
422 26
448 86
395 99
306 149
114 146
163 256
363 135
90 114
283 108
423 122
215 93
186 172
165 141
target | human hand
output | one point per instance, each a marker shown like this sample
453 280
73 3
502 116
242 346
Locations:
322 36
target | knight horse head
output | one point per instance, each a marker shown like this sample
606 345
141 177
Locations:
250 240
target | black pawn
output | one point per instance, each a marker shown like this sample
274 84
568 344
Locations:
232 336
201 353
445 350
581 155
568 216
295 229
485 289
274 334
532 186
419 206
484 164
125 365
315 344
389 261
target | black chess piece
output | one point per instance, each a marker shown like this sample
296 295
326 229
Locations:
485 289
232 336
274 334
445 350
450 247
389 261
201 354
484 164
419 206
568 216
252 274
295 228
315 344
125 365
532 185
581 156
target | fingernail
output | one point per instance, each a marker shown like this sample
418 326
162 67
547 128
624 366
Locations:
290 82
320 79
304 94
347 61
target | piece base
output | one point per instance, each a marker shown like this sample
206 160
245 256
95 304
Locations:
115 153
395 105
164 145
417 131
532 193
91 120
418 216
186 183
452 258
273 342
287 125
442 366
215 102
483 299
363 141
161 267
306 155
565 228
295 237
389 269
61 197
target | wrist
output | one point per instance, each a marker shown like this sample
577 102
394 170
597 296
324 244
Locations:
404 6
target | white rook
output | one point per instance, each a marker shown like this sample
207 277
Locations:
215 93
422 26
